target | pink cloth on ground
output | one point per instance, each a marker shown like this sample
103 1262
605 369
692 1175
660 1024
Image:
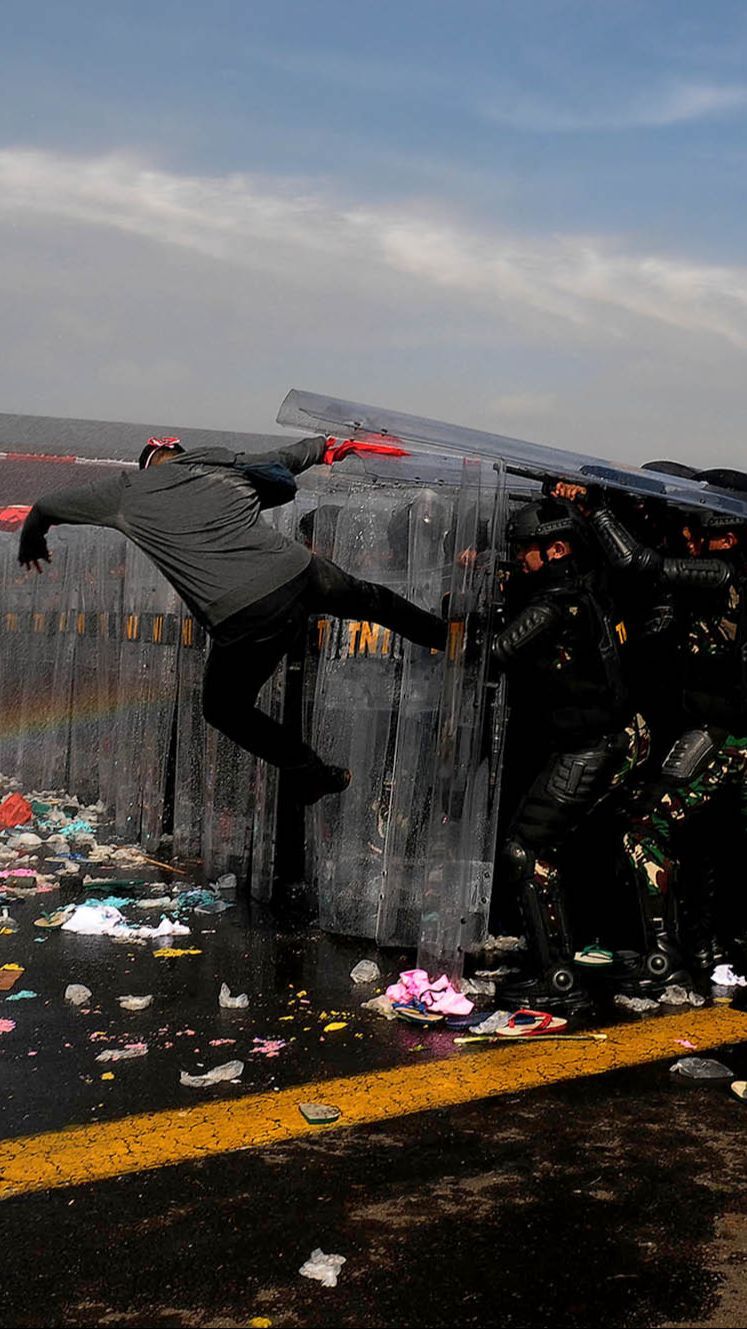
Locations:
440 996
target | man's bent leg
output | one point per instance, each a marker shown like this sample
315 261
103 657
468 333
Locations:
233 677
333 591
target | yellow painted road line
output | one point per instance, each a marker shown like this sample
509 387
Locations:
150 1140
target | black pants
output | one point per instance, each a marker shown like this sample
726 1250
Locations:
235 673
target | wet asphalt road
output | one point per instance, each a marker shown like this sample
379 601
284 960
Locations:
618 1200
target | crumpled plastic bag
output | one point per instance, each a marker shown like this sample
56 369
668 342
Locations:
230 1003
495 1021
130 1003
380 1006
127 1053
637 1004
94 920
77 994
365 971
725 977
504 944
324 1268
477 987
701 1068
231 1070
675 995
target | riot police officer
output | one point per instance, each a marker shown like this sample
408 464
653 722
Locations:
564 647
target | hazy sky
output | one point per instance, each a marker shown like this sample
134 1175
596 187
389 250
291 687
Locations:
526 217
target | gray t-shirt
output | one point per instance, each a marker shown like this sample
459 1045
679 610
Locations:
198 517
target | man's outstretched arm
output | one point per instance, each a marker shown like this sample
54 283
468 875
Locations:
92 504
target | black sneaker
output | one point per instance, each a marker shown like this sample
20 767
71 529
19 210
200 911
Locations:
309 787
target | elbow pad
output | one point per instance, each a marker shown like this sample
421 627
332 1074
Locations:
530 625
619 547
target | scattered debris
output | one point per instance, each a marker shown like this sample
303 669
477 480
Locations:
415 988
77 994
24 995
9 976
15 811
365 971
739 1087
381 1005
495 1021
701 1068
334 1026
231 1070
172 953
477 987
127 1053
230 1003
268 1047
135 1003
675 995
6 1026
636 1004
324 1268
319 1114
503 944
725 977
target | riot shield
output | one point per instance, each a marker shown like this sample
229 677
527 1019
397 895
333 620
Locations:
460 845
355 724
305 410
146 699
424 524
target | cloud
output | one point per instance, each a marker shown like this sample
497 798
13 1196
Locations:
388 257
677 103
135 293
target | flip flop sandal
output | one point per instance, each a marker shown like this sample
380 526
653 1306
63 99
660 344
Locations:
526 1023
597 957
416 1014
465 1021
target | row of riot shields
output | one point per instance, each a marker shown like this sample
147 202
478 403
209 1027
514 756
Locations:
100 690
405 856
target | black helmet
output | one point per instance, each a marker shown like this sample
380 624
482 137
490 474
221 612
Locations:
675 468
545 521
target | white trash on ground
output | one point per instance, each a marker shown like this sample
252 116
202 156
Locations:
230 1003
135 1003
701 1068
231 1070
324 1268
637 1004
77 994
127 1053
725 977
495 1021
380 1005
365 971
675 995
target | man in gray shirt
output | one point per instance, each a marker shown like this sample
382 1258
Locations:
197 515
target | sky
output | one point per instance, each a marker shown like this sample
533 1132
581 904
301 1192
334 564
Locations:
526 218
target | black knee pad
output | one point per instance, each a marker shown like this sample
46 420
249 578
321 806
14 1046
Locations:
690 755
517 860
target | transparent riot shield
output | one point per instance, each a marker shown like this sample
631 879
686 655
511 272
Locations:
311 410
189 757
47 677
355 724
16 623
272 700
146 699
96 622
228 791
422 522
460 846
